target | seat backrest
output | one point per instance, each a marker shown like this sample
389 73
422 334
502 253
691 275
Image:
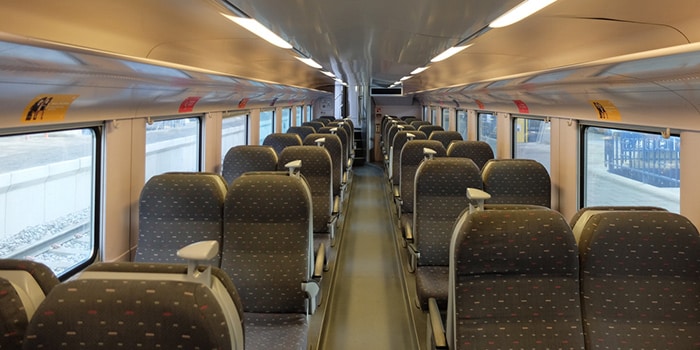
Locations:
417 123
317 125
478 151
133 305
640 280
335 149
440 197
446 137
385 134
579 220
517 181
245 158
326 119
176 209
23 286
343 136
411 157
316 167
302 131
278 141
513 282
399 140
428 129
268 250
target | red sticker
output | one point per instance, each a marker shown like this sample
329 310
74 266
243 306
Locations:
479 104
243 103
188 104
522 107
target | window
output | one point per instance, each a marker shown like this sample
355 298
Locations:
309 112
234 132
486 129
622 167
172 145
531 140
300 115
446 118
48 193
433 116
267 124
286 118
426 111
462 123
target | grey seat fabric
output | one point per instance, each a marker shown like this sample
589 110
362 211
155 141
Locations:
268 252
398 142
278 141
513 282
478 151
245 158
446 137
517 181
640 281
317 125
440 197
317 169
335 149
302 131
428 129
417 123
176 209
23 286
131 306
391 133
580 219
344 140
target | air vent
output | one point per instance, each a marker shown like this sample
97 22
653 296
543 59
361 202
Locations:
386 92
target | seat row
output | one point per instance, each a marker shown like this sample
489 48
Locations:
518 279
258 294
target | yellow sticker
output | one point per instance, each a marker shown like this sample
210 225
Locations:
606 110
47 108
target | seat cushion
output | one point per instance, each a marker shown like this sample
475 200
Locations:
432 282
275 331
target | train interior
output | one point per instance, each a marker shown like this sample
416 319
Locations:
120 180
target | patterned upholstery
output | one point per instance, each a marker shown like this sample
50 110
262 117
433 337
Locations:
343 136
314 124
395 155
417 123
428 129
478 151
640 281
335 149
278 141
514 282
391 133
411 157
517 181
242 159
348 131
385 132
446 137
129 314
579 220
326 119
23 286
176 209
302 131
268 254
316 167
440 196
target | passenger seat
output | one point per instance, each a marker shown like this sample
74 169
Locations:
517 181
245 158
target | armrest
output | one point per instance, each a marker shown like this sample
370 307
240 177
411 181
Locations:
413 256
336 205
407 230
397 191
320 260
436 327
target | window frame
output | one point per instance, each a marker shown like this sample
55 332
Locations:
515 136
199 142
494 115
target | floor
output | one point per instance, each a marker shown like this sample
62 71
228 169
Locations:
369 307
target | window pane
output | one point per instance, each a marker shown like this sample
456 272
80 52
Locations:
286 118
462 123
234 132
631 168
446 118
47 196
267 124
300 115
486 128
172 145
433 116
309 112
532 140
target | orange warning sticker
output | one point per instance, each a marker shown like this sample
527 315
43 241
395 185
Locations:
606 110
187 104
47 108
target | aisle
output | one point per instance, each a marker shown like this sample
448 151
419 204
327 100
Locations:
368 309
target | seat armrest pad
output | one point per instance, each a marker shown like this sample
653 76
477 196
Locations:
320 260
436 327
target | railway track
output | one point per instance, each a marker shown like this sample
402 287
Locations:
61 250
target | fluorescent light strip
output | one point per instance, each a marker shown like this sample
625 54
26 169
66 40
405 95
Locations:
419 70
310 62
260 30
449 53
328 74
519 12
